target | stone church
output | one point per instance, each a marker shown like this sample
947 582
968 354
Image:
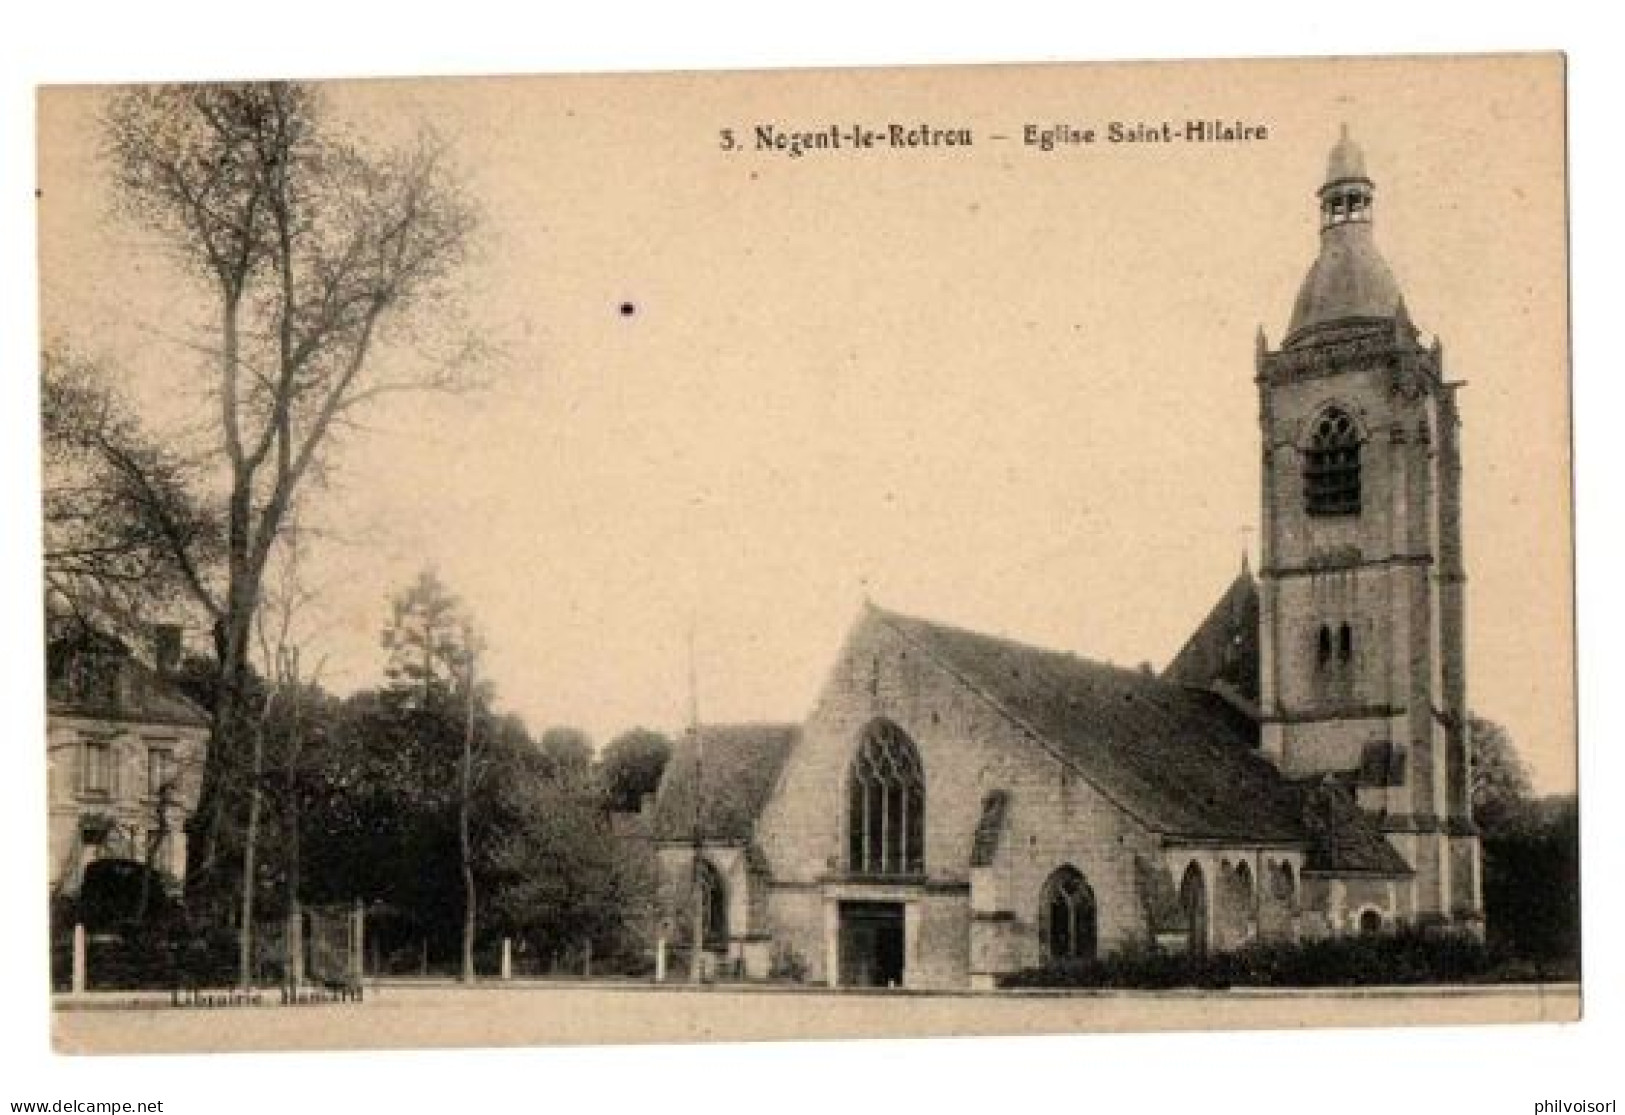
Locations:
958 806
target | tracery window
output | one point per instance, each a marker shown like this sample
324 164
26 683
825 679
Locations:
1067 916
1331 471
886 805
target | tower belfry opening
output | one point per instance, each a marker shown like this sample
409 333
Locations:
1362 627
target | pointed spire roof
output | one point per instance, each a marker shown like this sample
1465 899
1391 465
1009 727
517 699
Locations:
1222 653
1349 281
1347 160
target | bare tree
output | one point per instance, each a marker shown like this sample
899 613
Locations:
309 250
279 654
122 515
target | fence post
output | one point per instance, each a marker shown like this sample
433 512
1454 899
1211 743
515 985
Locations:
660 959
79 980
507 958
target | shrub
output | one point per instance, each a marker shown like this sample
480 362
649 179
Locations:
1408 958
787 965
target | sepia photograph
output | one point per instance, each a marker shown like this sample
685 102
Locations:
805 554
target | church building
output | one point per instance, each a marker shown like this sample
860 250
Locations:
957 806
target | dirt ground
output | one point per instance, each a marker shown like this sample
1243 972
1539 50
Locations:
401 1017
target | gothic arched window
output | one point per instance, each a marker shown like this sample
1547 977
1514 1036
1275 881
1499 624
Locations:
1331 470
886 805
1193 905
1066 916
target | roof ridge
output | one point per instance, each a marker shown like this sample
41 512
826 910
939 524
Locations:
1042 738
1128 672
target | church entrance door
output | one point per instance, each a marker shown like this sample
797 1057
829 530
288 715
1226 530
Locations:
871 944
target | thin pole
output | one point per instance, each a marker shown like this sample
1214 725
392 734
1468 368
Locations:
698 912
464 842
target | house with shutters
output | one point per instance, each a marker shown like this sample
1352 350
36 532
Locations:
125 749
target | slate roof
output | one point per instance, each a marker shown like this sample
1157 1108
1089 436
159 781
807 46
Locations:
738 765
1342 838
94 675
1222 654
1349 280
1183 761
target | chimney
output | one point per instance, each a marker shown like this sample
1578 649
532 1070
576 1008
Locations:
166 648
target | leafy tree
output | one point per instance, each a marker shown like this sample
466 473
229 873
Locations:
568 753
309 251
1500 779
631 766
1531 849
434 650
429 640
560 876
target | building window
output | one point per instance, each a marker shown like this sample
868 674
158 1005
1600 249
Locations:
1193 909
97 771
1067 917
1323 654
1345 644
886 805
1331 472
160 771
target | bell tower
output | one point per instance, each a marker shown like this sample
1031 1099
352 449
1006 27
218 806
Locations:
1361 614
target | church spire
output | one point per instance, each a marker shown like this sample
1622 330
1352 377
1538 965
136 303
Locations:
1346 196
1349 282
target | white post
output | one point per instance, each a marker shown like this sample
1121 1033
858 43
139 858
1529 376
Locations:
78 958
660 959
507 958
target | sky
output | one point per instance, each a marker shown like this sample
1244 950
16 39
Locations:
994 386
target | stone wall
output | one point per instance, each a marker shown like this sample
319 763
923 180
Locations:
967 749
127 802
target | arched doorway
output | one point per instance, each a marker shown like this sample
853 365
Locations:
1066 917
1193 905
711 895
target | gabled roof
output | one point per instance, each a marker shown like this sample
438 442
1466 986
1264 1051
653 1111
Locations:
1182 761
1222 653
737 766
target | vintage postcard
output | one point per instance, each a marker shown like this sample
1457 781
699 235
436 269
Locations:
895 552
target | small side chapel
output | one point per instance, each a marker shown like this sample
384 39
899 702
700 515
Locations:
957 806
